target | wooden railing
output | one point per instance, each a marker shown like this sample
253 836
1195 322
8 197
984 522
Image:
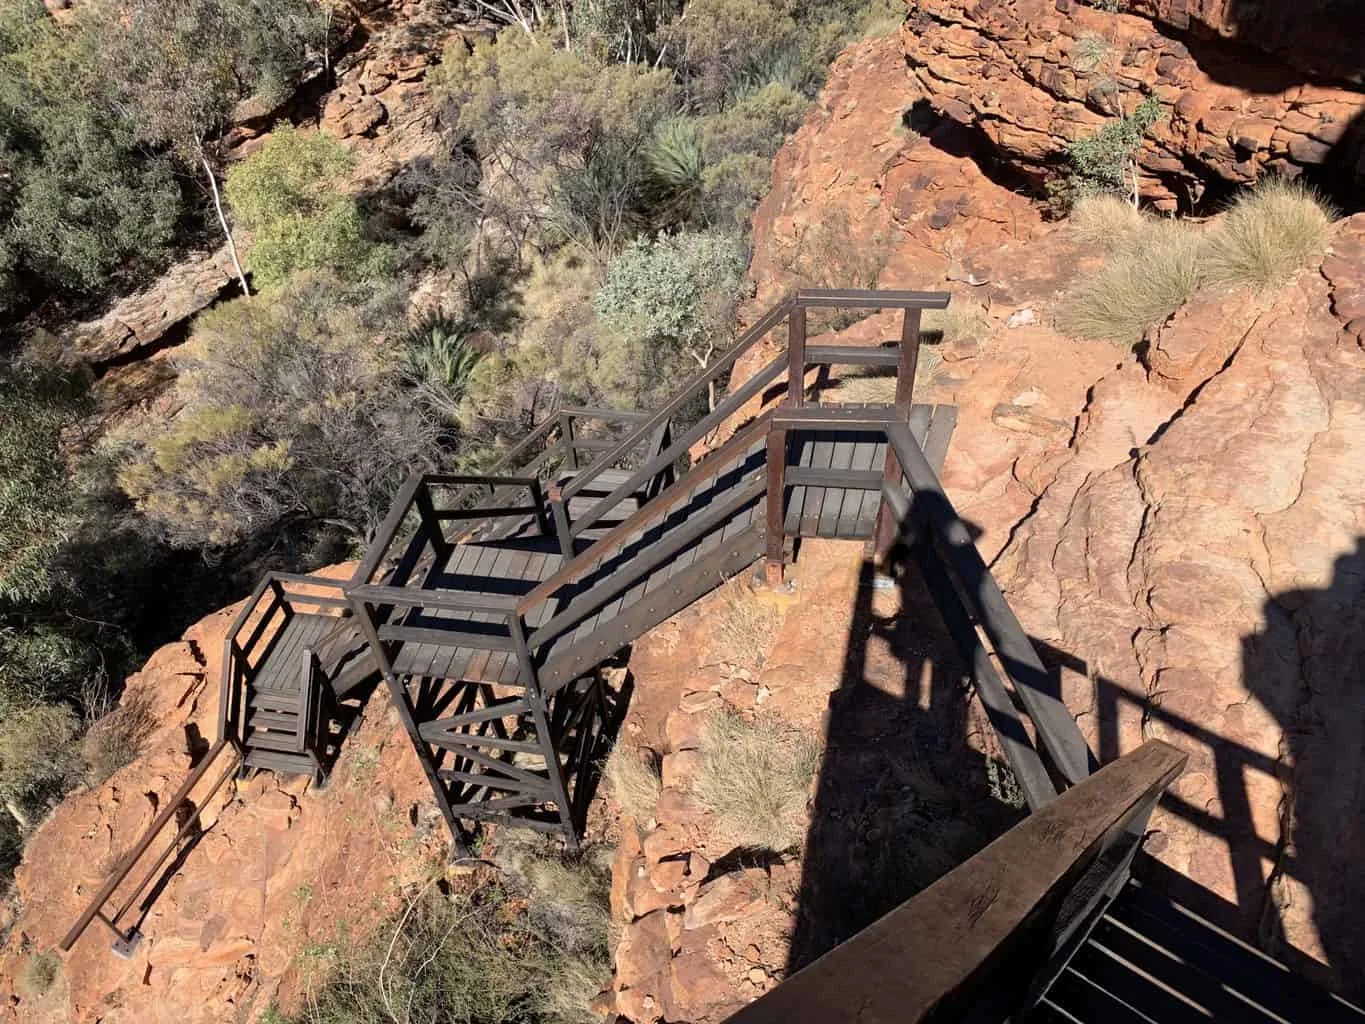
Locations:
982 943
225 754
796 359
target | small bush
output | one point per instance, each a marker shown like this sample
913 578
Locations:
1107 160
290 417
755 777
1269 234
511 951
41 972
117 738
665 306
632 776
292 196
1142 284
39 759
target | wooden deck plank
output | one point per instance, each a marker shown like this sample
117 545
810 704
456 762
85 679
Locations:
851 514
840 455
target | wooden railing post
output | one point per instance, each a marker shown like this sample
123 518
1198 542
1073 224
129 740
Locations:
426 511
566 439
776 525
559 513
884 533
796 355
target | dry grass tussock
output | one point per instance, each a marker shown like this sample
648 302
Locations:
530 945
632 776
1269 234
1147 277
755 777
743 626
41 972
1155 265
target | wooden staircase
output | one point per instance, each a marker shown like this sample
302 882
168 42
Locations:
491 633
293 656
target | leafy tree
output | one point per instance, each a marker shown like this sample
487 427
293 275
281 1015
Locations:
181 68
665 305
79 200
291 194
292 415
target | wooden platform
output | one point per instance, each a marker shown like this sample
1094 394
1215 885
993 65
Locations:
712 534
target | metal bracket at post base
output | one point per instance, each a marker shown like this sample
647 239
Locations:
125 943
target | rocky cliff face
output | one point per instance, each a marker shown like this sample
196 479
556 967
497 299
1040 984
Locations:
1035 75
1182 533
280 868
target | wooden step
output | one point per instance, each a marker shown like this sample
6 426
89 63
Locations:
354 674
259 739
285 763
276 721
273 700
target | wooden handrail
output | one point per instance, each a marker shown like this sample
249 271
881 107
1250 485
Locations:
1057 730
129 860
685 393
969 946
679 446
865 298
713 465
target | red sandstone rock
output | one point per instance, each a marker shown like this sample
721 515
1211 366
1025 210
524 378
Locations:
1035 78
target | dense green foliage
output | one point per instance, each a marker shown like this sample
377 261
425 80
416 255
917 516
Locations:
291 195
36 405
292 414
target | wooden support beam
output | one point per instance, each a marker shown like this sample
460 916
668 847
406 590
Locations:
796 357
884 532
968 947
776 506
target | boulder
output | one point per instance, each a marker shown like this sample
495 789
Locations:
728 898
644 950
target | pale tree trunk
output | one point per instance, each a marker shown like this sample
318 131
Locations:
222 220
19 816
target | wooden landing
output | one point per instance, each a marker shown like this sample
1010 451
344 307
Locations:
715 533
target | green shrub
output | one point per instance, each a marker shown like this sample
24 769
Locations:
81 202
674 162
755 777
440 362
36 513
1269 234
1107 160
292 415
666 304
719 40
541 114
1143 282
292 196
39 759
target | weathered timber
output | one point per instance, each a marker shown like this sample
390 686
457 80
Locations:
966 947
1056 728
